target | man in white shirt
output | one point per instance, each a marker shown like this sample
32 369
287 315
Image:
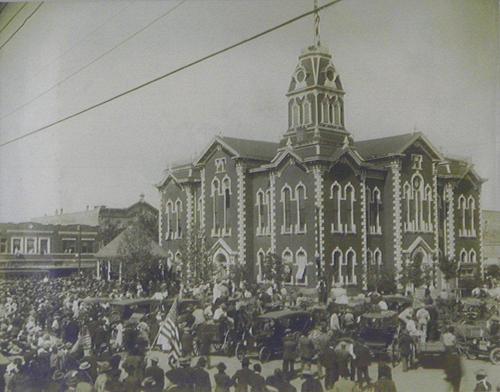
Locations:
334 322
423 317
382 305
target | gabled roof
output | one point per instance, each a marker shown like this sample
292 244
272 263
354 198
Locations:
111 250
392 145
242 148
89 218
180 174
457 168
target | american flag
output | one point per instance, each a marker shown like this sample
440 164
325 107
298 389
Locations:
168 337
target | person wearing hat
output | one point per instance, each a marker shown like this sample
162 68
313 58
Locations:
453 369
156 373
289 353
201 377
258 383
57 382
223 382
149 385
482 384
243 377
310 384
102 378
83 373
182 377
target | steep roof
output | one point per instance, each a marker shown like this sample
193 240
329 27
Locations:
251 149
384 146
111 250
89 218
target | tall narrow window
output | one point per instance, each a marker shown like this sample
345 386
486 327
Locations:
472 256
300 276
260 265
178 210
287 258
286 201
348 267
261 213
428 199
472 208
349 199
461 207
226 186
407 197
417 184
336 108
168 220
463 257
300 193
268 205
368 203
215 191
377 260
335 195
307 112
376 202
295 114
325 109
337 265
200 213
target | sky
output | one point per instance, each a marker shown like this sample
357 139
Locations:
425 65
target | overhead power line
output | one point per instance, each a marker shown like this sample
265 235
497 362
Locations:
77 71
22 25
12 17
189 65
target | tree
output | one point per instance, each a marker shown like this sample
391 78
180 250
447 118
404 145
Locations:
448 267
387 281
197 266
135 253
273 269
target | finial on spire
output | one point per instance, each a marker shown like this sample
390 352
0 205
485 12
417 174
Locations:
317 41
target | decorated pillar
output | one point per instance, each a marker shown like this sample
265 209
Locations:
272 187
362 198
395 168
241 190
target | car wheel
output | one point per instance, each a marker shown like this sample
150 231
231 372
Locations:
495 356
239 351
264 354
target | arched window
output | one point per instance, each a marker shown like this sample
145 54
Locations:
472 256
336 110
226 187
287 257
463 257
286 202
301 262
261 257
376 202
407 197
300 195
307 112
428 212
261 214
369 257
178 210
325 110
215 192
341 108
368 203
377 257
268 204
168 220
462 205
350 197
295 114
472 208
335 195
418 190
348 266
337 265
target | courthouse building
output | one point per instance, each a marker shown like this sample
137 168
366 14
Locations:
326 204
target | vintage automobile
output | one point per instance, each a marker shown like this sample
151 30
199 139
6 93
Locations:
397 303
476 309
265 337
378 331
125 308
480 339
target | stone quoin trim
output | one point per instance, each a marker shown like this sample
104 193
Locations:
189 212
364 273
396 216
272 187
203 198
450 229
319 242
241 189
480 229
161 211
435 214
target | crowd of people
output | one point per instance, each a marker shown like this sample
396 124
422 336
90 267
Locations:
62 334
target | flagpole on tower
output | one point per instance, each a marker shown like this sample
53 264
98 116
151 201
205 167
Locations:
317 40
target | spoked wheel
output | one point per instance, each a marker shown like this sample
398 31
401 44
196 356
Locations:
495 356
264 354
196 347
239 351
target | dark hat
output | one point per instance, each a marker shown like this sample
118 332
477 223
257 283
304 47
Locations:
481 373
148 382
105 366
221 366
185 361
58 375
245 362
202 361
84 365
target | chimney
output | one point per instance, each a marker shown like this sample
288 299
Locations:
141 197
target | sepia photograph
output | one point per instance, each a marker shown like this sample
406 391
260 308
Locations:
250 196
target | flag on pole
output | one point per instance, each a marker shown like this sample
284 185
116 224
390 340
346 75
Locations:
168 337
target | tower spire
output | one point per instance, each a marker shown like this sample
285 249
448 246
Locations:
317 41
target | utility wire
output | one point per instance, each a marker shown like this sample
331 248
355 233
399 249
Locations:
21 26
77 71
84 38
189 65
12 17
